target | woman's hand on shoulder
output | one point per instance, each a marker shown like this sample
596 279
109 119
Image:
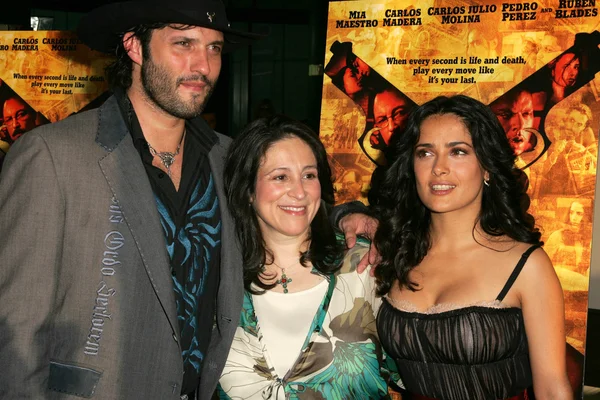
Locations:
542 303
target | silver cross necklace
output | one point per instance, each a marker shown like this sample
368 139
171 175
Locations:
167 158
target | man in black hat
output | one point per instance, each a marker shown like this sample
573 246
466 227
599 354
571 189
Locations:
121 277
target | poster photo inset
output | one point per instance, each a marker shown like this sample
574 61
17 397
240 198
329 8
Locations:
385 108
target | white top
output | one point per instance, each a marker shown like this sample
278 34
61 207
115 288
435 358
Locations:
284 320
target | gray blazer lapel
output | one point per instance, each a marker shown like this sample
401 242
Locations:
126 176
231 270
231 289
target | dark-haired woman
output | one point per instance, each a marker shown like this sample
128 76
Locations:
473 308
307 328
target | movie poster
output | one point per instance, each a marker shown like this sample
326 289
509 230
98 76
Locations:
534 63
45 76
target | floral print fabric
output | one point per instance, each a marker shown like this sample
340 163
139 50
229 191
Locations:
341 357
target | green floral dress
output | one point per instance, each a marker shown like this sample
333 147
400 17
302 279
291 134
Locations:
341 357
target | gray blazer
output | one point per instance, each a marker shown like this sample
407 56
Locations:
87 307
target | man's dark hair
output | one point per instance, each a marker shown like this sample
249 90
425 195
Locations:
18 98
243 161
402 238
119 72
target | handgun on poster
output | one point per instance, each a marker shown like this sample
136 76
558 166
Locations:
385 107
522 111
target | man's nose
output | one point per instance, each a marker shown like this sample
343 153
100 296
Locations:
517 122
392 125
200 62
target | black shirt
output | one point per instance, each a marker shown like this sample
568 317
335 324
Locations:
192 226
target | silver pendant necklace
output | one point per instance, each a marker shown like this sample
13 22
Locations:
167 158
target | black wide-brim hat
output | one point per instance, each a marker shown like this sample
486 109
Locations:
102 28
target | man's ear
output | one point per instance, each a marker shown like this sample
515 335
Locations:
133 47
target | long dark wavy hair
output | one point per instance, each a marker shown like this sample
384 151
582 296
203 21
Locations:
403 237
243 161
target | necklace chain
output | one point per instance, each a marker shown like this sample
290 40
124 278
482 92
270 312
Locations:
167 158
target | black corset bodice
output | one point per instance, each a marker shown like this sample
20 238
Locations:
474 353
470 353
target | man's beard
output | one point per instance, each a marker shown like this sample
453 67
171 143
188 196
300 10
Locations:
157 81
17 133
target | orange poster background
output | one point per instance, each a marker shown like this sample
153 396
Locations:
52 71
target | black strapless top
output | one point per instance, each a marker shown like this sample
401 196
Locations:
475 352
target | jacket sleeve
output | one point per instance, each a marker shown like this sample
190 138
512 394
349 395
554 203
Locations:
31 234
341 210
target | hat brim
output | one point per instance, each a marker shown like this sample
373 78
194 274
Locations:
102 28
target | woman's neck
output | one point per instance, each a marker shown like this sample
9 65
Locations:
454 233
286 251
455 229
286 266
